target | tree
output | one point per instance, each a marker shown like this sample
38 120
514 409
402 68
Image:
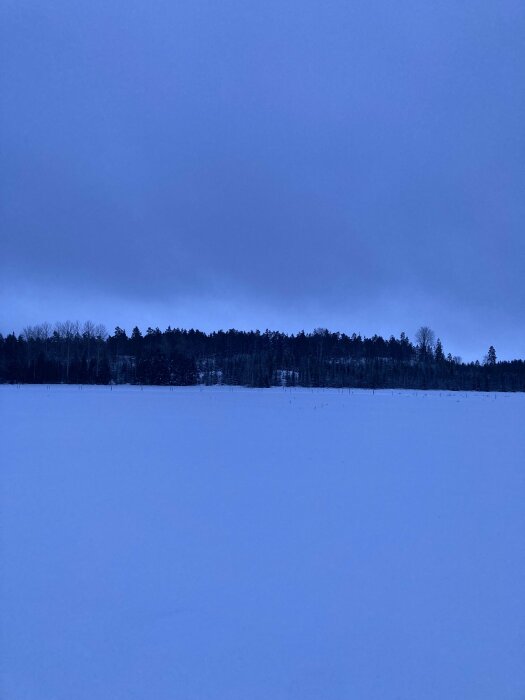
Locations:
490 357
68 331
118 341
88 334
136 335
439 354
426 340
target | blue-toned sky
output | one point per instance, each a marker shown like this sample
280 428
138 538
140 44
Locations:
357 165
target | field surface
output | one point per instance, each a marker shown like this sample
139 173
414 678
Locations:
234 544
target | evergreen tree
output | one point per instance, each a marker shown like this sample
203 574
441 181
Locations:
439 354
490 358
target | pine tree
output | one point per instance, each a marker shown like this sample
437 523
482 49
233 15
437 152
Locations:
490 358
439 354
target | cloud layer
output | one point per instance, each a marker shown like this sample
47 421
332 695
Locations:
290 161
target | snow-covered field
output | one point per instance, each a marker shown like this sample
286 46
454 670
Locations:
234 544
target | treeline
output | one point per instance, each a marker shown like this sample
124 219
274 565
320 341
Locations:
87 354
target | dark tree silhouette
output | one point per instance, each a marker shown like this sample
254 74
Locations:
71 353
490 358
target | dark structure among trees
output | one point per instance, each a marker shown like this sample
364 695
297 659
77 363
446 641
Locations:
74 354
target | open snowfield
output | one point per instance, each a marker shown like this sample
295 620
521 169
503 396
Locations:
235 544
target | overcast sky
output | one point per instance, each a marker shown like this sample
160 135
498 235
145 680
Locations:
357 165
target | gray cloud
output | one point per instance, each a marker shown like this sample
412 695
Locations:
342 162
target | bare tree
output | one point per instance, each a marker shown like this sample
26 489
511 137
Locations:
426 340
68 331
89 335
100 331
28 333
43 331
88 329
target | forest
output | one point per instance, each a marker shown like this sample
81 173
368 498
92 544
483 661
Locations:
74 353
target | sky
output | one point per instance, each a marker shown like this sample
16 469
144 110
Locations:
285 165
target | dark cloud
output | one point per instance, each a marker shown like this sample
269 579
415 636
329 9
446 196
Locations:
355 162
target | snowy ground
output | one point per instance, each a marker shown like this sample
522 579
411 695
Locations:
219 544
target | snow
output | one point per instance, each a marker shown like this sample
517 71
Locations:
240 544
